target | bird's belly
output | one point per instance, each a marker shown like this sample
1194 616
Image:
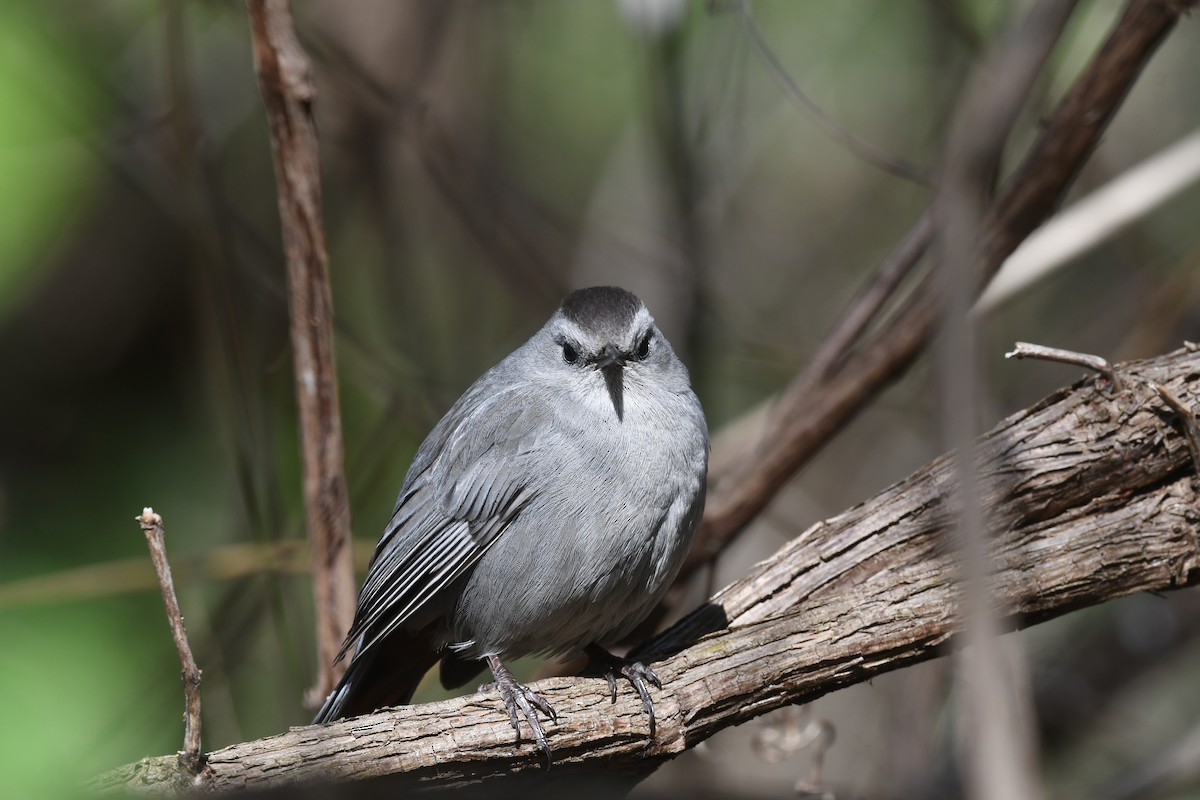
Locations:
585 562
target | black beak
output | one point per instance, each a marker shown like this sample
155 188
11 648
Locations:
610 356
612 363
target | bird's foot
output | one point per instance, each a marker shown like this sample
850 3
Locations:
637 673
518 697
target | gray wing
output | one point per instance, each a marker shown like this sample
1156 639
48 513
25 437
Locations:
464 488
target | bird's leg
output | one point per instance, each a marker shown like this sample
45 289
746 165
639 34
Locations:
516 697
600 660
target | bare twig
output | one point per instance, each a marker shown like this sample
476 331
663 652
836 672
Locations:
1187 419
1086 360
191 758
286 85
868 152
869 303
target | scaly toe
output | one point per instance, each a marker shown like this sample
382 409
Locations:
520 698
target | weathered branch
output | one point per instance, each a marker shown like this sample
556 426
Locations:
1089 497
287 91
815 406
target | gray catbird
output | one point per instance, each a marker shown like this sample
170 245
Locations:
546 513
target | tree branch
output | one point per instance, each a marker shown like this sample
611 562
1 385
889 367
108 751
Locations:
287 91
815 406
1092 497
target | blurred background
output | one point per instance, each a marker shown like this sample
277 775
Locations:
479 160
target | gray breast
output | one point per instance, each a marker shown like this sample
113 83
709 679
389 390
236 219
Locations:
594 552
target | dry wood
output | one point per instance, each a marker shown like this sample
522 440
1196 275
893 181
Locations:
286 84
190 758
1101 365
1089 497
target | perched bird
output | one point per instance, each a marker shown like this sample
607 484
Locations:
546 513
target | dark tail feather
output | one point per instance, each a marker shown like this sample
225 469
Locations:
457 671
386 675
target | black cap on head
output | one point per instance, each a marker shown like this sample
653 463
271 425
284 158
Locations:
606 310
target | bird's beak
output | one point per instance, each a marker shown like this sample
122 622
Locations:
610 356
612 364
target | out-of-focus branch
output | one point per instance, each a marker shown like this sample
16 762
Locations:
869 303
525 237
1163 774
1097 501
191 758
868 152
1094 219
224 563
286 85
996 710
813 408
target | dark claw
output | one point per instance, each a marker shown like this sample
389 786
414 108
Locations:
517 696
635 672
638 673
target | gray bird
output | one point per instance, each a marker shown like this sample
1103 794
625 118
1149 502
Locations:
546 513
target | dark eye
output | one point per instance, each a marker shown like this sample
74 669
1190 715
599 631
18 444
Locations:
570 354
644 346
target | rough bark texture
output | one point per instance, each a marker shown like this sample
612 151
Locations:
1090 497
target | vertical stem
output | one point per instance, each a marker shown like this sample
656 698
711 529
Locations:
191 758
284 77
1000 761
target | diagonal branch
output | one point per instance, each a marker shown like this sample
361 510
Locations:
1094 498
900 167
816 405
286 84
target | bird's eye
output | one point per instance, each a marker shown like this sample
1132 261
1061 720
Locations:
570 354
644 346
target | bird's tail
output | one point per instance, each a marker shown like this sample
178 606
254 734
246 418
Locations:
385 675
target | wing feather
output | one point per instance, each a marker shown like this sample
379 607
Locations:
460 494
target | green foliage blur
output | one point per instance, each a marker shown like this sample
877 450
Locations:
479 160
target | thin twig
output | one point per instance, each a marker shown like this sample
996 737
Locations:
191 758
1085 360
869 303
868 152
1187 418
285 81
